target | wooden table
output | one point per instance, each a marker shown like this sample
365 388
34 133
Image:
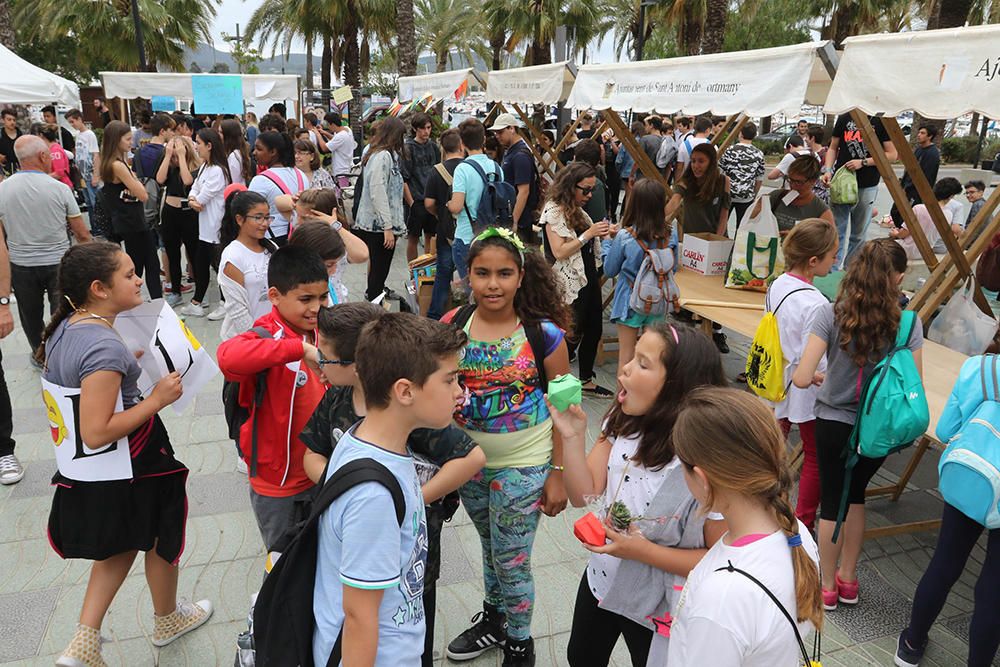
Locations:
741 310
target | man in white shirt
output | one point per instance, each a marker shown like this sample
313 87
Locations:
35 209
794 147
88 155
341 146
702 128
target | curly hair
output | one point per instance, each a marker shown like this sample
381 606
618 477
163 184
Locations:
712 184
539 297
867 309
562 193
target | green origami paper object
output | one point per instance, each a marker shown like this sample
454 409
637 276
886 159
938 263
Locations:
564 391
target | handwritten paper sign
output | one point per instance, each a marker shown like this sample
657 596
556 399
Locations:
74 458
164 103
342 95
167 346
217 93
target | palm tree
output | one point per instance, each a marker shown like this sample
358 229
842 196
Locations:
444 26
105 33
6 25
281 22
406 39
532 24
716 14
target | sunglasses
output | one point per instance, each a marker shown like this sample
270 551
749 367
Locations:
584 190
323 361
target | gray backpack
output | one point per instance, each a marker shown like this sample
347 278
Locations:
654 291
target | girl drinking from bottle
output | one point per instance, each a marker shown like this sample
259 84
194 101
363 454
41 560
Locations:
624 590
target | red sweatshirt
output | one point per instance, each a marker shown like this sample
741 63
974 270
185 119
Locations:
292 394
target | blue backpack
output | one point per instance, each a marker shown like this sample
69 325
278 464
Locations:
969 469
496 206
892 408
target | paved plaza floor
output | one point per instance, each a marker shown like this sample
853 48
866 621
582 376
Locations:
41 594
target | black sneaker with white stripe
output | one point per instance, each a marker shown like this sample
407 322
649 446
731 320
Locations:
519 653
489 629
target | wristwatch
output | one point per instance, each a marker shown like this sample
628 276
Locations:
4 300
337 226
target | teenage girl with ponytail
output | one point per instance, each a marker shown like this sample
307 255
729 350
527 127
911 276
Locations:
630 582
109 522
246 253
733 608
515 338
278 181
854 333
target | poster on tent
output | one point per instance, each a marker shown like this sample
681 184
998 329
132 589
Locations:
215 93
167 345
542 84
164 103
74 458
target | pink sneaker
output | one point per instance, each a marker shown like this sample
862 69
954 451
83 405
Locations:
829 600
847 591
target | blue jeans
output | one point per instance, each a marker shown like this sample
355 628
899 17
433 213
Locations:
90 196
460 257
441 296
858 216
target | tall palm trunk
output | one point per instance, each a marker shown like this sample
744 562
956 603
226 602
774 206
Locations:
716 14
497 39
325 67
692 30
7 36
442 58
309 62
352 69
406 38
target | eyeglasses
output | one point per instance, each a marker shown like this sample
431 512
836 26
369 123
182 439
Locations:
798 181
584 190
969 193
304 153
323 361
266 218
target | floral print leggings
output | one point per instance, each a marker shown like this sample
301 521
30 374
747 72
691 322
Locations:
504 505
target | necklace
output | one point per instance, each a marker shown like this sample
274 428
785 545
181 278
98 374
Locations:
93 316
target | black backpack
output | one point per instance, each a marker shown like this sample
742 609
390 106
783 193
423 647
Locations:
533 332
283 621
237 415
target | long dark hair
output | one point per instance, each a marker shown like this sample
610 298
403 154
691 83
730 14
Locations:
388 137
238 203
712 184
79 267
234 140
644 211
113 133
539 297
692 360
217 155
562 193
281 144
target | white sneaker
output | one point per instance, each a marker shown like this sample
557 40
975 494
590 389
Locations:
11 470
241 466
194 309
218 313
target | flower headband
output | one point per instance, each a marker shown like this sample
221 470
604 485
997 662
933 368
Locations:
507 235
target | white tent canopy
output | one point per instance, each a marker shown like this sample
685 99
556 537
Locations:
128 85
540 84
759 83
23 83
440 86
937 73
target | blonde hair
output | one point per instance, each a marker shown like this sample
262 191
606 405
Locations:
733 438
812 237
191 155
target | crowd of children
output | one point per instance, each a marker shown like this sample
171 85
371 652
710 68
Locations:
705 559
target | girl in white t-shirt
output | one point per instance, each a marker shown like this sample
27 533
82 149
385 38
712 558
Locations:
631 582
810 250
245 257
757 590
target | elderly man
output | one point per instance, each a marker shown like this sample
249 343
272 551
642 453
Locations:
35 209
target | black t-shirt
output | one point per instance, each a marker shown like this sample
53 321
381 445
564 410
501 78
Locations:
417 163
68 141
7 148
440 192
929 159
852 147
518 169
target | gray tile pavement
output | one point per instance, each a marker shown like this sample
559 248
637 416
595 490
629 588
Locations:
40 596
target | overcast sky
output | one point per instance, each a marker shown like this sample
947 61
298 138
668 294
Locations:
231 12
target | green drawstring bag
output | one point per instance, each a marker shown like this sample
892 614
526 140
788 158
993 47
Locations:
844 187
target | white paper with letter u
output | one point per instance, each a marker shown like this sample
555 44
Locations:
75 459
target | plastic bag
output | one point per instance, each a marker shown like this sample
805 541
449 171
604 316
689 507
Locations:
757 259
844 187
961 325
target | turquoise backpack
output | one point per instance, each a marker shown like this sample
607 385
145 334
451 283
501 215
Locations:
892 408
969 469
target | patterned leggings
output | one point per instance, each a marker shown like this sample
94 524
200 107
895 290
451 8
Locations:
504 505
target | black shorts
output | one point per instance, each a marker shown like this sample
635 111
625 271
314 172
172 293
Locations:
419 221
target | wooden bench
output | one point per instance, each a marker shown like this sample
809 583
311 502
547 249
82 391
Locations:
741 310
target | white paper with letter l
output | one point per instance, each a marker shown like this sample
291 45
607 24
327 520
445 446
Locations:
167 345
74 458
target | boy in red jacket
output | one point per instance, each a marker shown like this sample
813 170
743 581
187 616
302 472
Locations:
280 492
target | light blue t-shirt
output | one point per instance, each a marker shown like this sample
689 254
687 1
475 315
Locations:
361 545
468 180
263 185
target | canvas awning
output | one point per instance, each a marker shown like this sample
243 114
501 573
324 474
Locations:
758 83
24 83
128 85
439 86
937 73
540 84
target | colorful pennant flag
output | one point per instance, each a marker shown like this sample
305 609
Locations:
462 90
395 107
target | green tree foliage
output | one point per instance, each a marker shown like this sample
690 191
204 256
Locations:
772 23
